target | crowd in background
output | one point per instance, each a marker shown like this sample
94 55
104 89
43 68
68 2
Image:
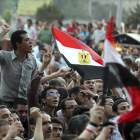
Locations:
42 99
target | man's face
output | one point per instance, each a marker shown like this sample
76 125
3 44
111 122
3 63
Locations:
15 116
57 130
70 106
26 45
81 98
90 84
122 108
57 55
22 112
3 131
108 108
5 114
99 26
46 126
52 98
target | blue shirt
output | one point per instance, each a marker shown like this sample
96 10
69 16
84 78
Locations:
84 34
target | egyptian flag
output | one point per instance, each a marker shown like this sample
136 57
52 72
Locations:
79 56
118 75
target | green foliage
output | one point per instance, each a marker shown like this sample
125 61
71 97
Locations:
7 15
133 18
49 13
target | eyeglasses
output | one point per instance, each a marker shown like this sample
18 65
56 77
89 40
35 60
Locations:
71 107
53 94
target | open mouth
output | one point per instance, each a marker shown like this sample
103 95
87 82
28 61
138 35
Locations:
55 101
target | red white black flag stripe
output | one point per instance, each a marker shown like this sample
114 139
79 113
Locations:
79 56
118 75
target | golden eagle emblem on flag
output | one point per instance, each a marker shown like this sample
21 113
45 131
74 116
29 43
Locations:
84 58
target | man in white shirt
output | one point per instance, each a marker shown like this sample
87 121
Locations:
29 28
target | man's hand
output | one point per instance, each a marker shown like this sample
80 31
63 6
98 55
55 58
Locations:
74 77
62 72
97 113
87 91
35 112
14 130
47 56
5 29
105 133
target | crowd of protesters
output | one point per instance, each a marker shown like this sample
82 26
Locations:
42 99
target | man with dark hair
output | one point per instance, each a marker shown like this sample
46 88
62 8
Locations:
57 127
67 106
83 35
79 110
14 115
45 35
38 128
108 113
128 63
120 107
78 96
5 114
77 124
17 68
21 107
29 28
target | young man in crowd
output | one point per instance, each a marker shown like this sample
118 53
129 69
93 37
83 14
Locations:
67 107
57 125
21 107
14 67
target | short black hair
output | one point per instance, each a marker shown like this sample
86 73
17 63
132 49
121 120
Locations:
75 90
3 123
79 110
63 105
136 132
44 92
84 25
103 97
19 101
115 105
63 92
57 120
17 37
29 20
3 106
128 61
78 123
32 121
135 66
13 111
54 83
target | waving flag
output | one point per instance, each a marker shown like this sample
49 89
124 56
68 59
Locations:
79 56
118 75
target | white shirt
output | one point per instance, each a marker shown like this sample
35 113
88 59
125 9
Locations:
30 30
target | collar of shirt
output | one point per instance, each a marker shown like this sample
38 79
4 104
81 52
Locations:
14 55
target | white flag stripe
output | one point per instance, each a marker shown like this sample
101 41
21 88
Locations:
71 55
111 55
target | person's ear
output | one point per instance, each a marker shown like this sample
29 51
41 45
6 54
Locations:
32 127
73 96
18 44
44 101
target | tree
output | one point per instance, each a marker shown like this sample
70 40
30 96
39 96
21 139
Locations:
7 15
133 18
50 13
